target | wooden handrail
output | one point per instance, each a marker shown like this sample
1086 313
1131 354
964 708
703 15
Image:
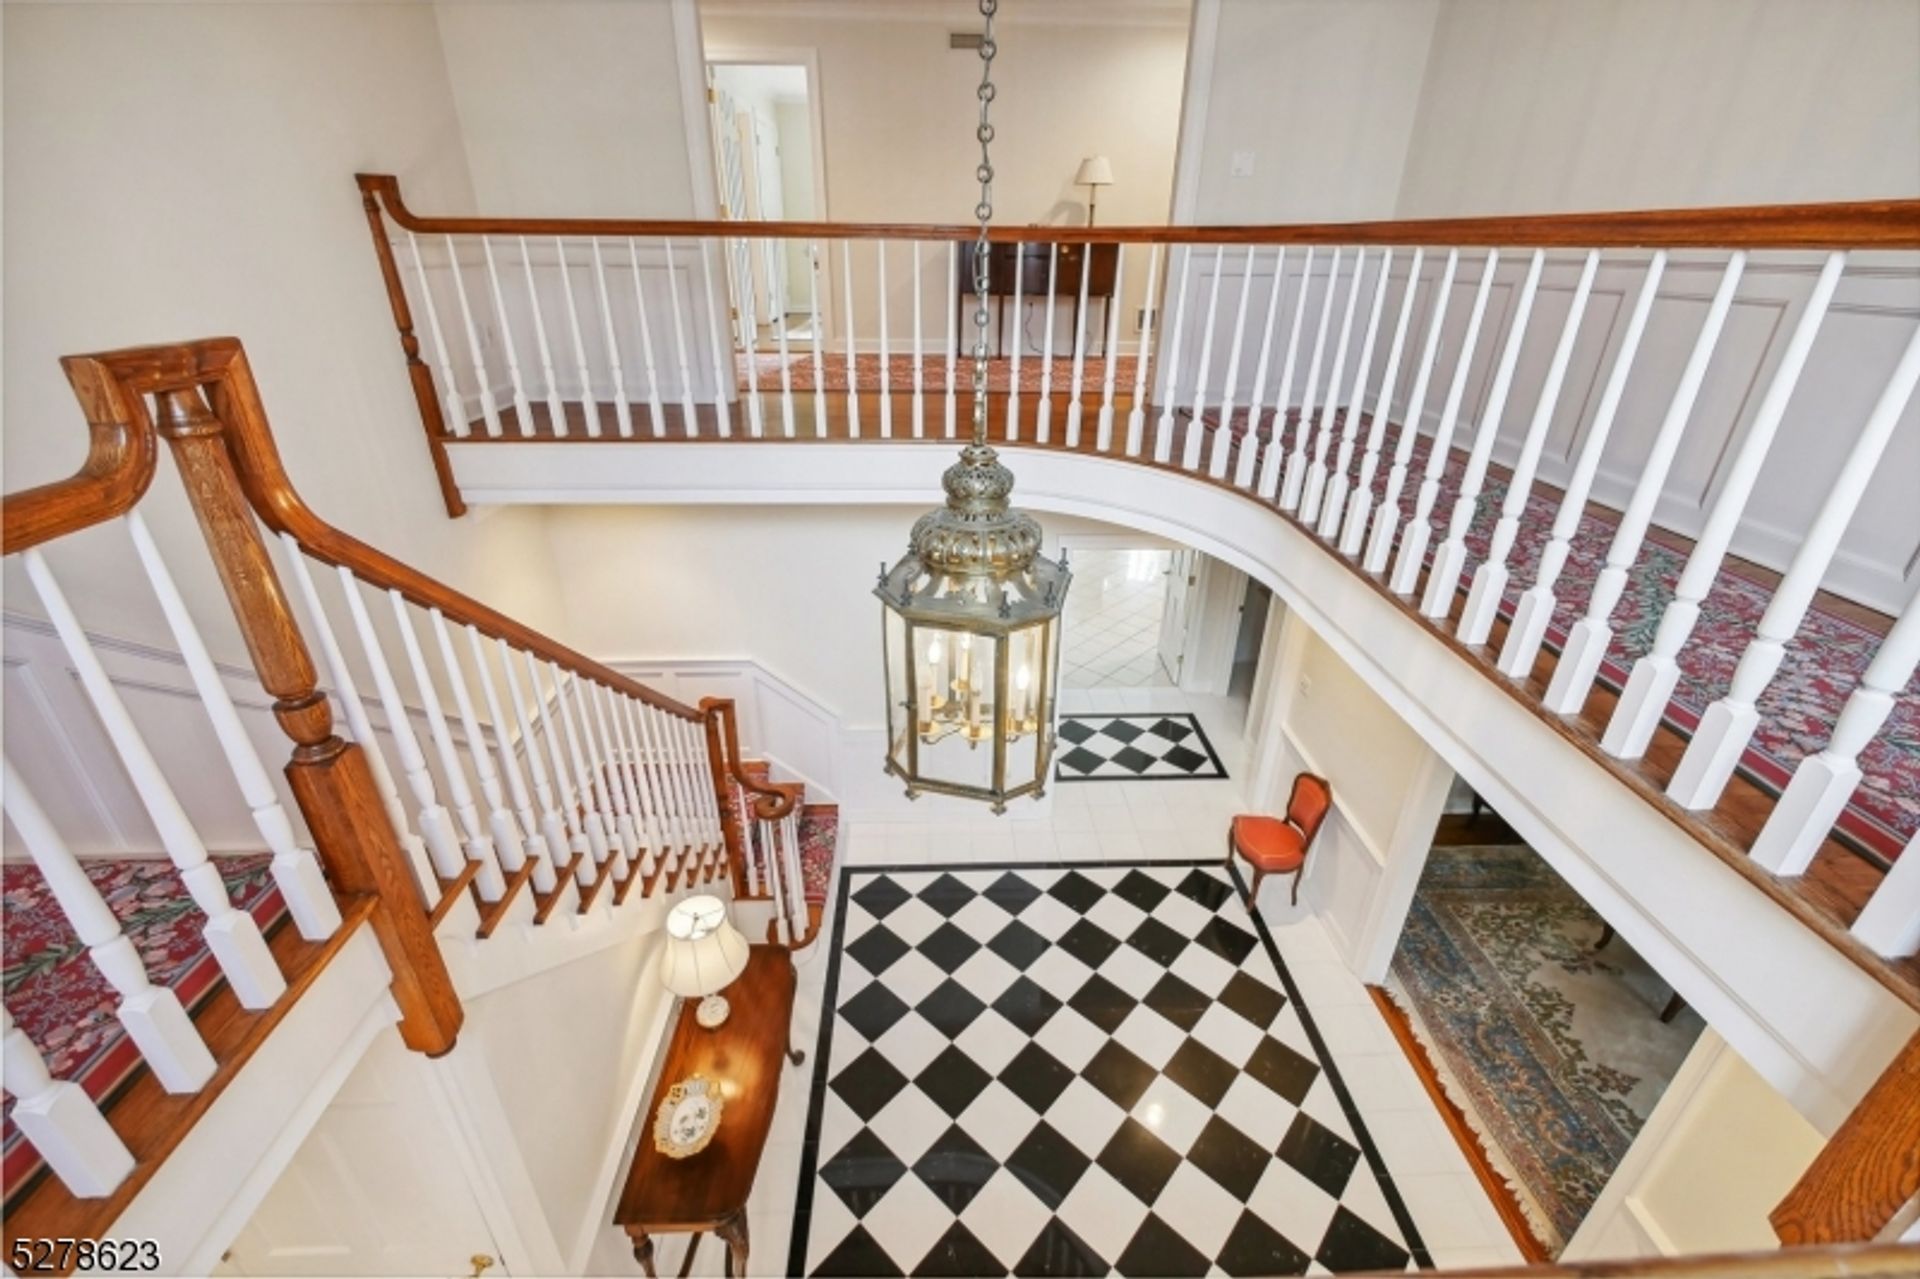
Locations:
1870 1169
1861 224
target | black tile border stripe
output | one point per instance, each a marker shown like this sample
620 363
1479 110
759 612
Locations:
1213 757
816 1095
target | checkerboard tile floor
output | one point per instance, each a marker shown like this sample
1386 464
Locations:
1077 1070
1134 747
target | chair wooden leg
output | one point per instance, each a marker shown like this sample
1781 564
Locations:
1672 1010
1298 875
1253 891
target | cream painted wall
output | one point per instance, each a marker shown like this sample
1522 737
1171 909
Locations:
180 171
571 108
1621 104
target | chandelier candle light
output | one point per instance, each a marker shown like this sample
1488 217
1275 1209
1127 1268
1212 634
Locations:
970 616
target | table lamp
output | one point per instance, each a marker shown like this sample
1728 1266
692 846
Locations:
1095 172
705 952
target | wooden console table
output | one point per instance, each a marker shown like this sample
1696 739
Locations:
742 1058
1027 264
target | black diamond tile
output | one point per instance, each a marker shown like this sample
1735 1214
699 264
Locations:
873 1011
949 947
1133 759
1138 1160
1253 999
1282 1069
957 1253
881 896
1081 760
1036 1077
1012 893
947 895
1048 1164
1351 1244
1157 942
1089 943
955 1168
1121 730
1019 945
868 1083
1255 1248
1227 940
1026 1006
952 1080
1118 1074
951 1008
1210 891
1076 730
1077 891
1230 1157
1143 891
1201 1071
877 949
1158 1249
863 1171
1171 729
1187 761
1057 1250
858 1254
1177 1001
1319 1154
1103 1003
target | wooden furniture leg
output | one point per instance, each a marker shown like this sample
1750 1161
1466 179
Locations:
693 1246
1672 1010
1606 935
733 1233
643 1251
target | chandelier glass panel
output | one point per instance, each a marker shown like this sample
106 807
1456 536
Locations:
971 614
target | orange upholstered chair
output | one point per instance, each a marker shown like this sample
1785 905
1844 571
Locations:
1278 846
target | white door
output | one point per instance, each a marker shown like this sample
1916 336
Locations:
371 1190
1182 572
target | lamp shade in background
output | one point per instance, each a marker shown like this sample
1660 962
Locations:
704 953
1095 171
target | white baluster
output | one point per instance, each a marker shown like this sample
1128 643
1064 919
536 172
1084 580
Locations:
609 773
1413 546
508 846
1103 429
683 762
680 359
1276 449
1019 339
1294 481
813 326
61 1120
522 415
666 787
656 411
786 355
295 869
550 822
573 804
745 309
1350 512
796 878
489 407
1890 922
452 408
479 844
1823 783
1451 557
1730 722
646 805
1137 415
886 356
1587 643
919 368
1386 523
1334 503
1043 414
1316 479
953 335
853 374
701 768
1074 409
556 408
534 844
1163 427
622 412
767 837
584 788
232 935
722 376
1223 438
1196 416
1535 608
1243 472
151 1014
1490 578
589 407
1654 676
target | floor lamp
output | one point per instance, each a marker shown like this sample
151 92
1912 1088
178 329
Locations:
1095 172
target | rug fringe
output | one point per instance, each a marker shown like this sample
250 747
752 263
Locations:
1536 1217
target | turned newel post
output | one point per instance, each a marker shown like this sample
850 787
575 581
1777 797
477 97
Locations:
424 397
330 777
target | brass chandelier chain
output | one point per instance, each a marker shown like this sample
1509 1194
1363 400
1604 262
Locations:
984 212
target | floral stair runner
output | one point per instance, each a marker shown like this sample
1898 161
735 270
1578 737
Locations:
57 995
819 828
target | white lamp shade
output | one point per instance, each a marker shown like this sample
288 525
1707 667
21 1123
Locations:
705 952
1095 171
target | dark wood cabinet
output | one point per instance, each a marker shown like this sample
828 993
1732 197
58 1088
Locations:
1026 265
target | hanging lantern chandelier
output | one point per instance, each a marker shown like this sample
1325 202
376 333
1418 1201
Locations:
971 613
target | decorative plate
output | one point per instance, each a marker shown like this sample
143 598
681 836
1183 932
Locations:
688 1117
